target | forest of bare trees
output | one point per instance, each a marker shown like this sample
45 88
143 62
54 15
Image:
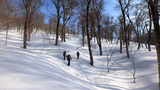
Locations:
137 22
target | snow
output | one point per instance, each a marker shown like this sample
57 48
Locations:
41 65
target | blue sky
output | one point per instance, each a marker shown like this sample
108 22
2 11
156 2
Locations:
109 8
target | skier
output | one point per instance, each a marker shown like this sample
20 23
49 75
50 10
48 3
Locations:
68 58
64 54
78 55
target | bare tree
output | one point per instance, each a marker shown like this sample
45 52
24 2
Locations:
108 28
150 27
38 22
1 12
133 65
153 4
31 7
82 20
111 61
83 23
67 6
27 4
88 37
35 17
123 5
97 7
52 25
138 22
58 5
8 9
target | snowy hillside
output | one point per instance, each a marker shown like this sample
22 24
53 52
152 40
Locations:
41 65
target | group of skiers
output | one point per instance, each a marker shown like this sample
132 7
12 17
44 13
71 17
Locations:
69 57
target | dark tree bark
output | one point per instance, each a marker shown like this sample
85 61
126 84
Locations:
88 37
120 34
58 21
155 15
27 4
99 38
124 26
34 17
138 36
150 26
63 33
97 10
135 30
83 34
58 14
92 24
68 6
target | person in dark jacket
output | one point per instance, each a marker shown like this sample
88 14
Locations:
64 54
78 55
68 58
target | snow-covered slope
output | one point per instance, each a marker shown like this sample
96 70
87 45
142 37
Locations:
41 66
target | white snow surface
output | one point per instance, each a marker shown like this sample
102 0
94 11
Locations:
41 65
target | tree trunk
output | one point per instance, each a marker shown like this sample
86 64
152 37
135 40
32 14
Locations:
149 41
57 32
121 41
125 34
64 34
28 6
138 40
62 31
78 30
88 38
125 31
150 26
99 32
83 35
25 33
155 16
63 28
144 39
99 39
58 21
128 36
92 26
94 35
108 35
